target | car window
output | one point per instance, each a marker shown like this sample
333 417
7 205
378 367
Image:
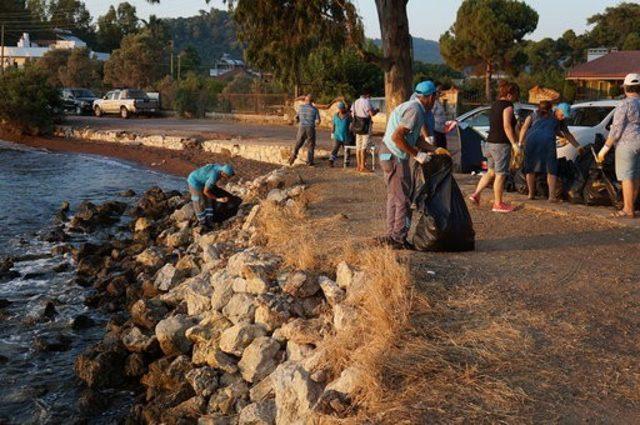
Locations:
82 93
479 119
588 116
136 94
112 95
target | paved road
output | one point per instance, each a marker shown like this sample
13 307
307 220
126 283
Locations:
201 127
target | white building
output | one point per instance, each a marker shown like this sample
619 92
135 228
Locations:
225 65
26 50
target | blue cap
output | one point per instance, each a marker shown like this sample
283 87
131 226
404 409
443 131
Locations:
227 169
341 105
426 88
565 108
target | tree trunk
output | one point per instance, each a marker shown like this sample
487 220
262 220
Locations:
397 51
487 81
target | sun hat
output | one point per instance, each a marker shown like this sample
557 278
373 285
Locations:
632 79
227 169
425 88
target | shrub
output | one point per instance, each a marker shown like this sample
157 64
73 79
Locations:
195 96
29 103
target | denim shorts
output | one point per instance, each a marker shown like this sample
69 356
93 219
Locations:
627 162
498 157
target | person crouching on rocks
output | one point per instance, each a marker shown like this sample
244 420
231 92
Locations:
205 192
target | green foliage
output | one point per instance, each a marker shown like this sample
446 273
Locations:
329 74
29 103
72 15
487 33
279 35
439 73
138 63
71 68
189 61
632 41
115 24
611 28
210 33
195 95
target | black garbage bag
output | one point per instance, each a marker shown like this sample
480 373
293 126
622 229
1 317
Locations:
440 220
223 211
600 189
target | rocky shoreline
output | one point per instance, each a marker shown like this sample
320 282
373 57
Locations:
208 328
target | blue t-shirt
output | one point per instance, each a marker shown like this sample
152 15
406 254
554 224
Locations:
410 115
308 115
206 176
341 127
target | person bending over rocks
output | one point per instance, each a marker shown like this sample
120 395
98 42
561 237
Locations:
207 197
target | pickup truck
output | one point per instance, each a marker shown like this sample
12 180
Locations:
125 102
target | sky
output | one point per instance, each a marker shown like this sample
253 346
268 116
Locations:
427 18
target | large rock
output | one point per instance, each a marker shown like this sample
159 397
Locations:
262 390
196 292
302 331
300 285
151 257
171 334
187 265
136 341
262 413
226 398
142 224
251 258
235 339
332 292
222 289
167 278
183 214
147 313
271 317
178 239
210 354
208 329
98 367
240 309
250 221
277 196
297 352
296 394
344 316
203 380
259 359
337 397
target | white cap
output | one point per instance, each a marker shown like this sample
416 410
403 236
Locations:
632 79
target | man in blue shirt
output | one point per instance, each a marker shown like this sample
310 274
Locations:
406 126
205 193
309 117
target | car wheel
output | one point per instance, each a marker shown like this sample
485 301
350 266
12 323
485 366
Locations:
97 111
124 112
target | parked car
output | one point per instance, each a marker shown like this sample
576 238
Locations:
78 101
125 102
588 121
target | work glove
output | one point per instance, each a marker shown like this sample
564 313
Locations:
442 151
421 157
602 154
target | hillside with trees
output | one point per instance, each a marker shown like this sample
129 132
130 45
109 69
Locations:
426 51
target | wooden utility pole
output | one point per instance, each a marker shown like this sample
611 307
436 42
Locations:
179 65
172 59
2 49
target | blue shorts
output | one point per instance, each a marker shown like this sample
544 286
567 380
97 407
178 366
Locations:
627 162
498 157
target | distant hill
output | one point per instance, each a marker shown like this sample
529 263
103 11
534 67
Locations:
210 33
427 51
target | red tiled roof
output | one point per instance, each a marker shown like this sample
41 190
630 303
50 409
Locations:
614 66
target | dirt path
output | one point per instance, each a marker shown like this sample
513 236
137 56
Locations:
540 324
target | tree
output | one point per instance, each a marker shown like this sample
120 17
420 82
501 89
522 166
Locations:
29 104
611 28
632 42
81 70
72 15
51 62
115 24
487 33
189 61
138 62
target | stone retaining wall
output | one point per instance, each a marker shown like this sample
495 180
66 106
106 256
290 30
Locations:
257 150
